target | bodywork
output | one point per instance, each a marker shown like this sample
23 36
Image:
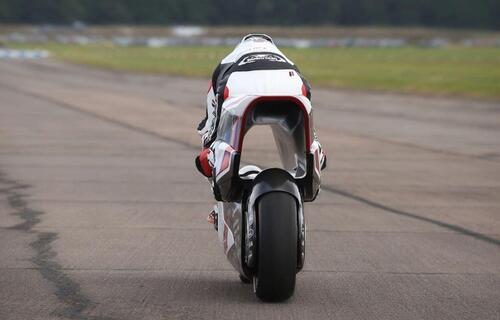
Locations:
291 121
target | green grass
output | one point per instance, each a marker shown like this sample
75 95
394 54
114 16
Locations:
472 72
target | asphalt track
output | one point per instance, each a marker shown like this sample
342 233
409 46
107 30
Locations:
102 215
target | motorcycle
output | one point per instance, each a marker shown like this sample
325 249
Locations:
260 213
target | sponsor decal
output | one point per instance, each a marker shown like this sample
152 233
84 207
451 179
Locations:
260 57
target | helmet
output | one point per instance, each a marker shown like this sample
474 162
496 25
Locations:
256 36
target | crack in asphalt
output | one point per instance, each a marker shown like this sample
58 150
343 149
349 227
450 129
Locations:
68 106
67 291
489 157
377 205
339 192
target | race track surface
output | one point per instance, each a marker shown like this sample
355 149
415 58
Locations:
102 214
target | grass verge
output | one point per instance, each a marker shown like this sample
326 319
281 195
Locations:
471 72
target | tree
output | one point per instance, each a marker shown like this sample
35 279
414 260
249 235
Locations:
445 13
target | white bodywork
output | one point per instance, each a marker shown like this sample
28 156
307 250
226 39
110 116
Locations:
264 83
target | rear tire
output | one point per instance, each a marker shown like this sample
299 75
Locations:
277 247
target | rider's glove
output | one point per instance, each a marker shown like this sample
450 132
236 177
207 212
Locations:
202 163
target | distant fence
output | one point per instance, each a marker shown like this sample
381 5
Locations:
23 54
197 36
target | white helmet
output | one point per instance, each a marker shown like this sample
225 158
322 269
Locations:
253 43
257 36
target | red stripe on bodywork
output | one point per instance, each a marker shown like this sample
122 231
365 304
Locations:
304 90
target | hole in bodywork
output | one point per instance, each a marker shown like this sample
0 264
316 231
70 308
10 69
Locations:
260 148
275 136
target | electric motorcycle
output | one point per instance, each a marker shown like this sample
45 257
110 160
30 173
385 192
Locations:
260 219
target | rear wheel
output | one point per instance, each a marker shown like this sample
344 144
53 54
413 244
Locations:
277 247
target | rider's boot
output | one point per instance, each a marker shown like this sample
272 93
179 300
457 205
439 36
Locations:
213 217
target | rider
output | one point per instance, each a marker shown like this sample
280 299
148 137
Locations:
267 57
254 52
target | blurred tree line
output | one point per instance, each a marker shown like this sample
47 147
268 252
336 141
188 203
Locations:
443 13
